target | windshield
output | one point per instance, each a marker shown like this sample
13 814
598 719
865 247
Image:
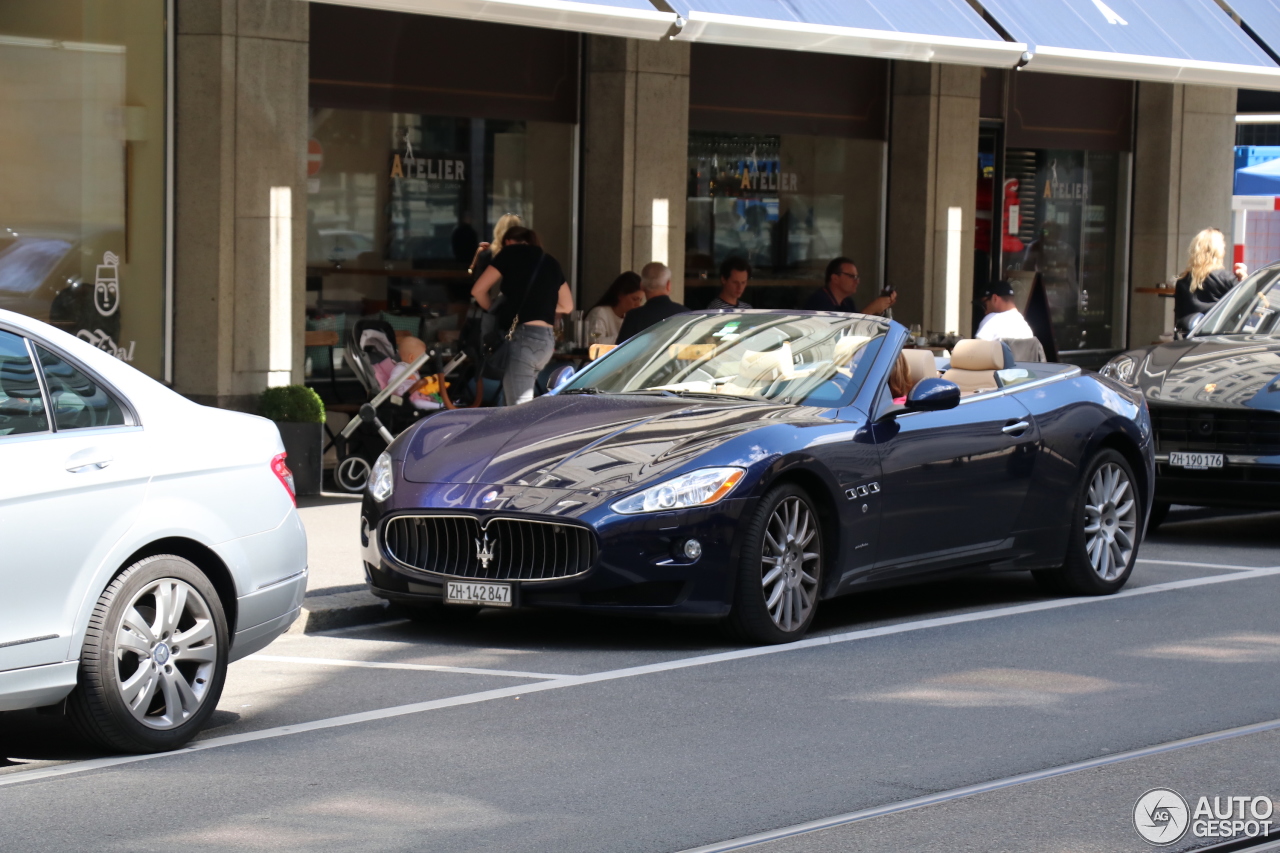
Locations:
1249 309
812 359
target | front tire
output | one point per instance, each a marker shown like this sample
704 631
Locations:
1105 531
154 658
780 575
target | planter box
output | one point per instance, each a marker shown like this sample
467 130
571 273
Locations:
304 443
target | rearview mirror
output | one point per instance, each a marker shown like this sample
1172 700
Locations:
933 395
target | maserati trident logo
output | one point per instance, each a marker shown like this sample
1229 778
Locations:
484 551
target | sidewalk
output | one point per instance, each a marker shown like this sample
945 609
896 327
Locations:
337 596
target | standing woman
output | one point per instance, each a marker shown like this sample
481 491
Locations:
486 252
1205 280
604 321
533 293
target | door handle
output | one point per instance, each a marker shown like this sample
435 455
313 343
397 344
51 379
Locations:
78 464
1016 428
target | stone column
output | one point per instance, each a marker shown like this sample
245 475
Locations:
1182 179
635 150
933 155
240 209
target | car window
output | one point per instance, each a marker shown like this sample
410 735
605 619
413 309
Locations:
78 402
21 403
809 359
1252 308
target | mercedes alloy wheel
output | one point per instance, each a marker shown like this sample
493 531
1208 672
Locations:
154 658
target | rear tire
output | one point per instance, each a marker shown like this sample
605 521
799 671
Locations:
154 658
780 576
1105 531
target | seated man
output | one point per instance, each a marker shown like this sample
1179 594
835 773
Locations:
1003 319
411 349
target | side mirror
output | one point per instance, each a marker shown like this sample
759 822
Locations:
933 395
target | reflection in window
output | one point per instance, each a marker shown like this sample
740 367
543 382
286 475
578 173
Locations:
814 360
1072 226
78 402
21 404
787 203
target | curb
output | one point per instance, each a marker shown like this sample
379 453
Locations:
338 610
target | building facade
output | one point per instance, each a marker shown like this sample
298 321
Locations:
195 185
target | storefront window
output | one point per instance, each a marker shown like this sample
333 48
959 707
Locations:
82 166
423 135
400 202
787 154
1074 233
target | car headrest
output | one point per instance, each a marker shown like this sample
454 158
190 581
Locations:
766 366
977 355
920 365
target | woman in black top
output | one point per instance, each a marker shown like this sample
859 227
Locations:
1205 280
534 291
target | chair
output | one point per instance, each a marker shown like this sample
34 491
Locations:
326 339
1026 349
974 364
598 350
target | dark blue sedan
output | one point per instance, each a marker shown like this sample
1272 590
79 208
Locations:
745 465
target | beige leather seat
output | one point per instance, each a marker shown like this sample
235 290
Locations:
974 364
920 365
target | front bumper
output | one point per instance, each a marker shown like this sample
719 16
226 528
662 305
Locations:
1246 481
637 571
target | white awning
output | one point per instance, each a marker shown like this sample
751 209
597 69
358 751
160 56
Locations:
921 30
1179 41
625 18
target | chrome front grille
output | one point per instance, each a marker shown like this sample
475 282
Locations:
1222 430
503 549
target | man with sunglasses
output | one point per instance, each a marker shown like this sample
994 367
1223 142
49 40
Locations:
842 283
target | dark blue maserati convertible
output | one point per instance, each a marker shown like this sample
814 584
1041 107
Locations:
745 465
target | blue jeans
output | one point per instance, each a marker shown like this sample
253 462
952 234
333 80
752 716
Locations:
531 349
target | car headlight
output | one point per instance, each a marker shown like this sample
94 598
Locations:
697 488
1120 369
381 483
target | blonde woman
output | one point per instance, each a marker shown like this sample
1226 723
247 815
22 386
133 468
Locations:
486 252
1205 280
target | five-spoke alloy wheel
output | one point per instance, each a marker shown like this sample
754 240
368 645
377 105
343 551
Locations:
780 576
154 658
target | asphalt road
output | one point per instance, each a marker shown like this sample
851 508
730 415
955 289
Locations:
550 732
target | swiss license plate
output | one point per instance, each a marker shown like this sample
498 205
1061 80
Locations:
1199 461
488 594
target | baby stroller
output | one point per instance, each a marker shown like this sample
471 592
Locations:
386 414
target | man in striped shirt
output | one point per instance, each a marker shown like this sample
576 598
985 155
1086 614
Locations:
735 273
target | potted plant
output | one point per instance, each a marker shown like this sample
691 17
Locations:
299 415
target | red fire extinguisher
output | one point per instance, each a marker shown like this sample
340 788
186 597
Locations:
1010 240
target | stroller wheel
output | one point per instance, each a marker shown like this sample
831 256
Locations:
352 474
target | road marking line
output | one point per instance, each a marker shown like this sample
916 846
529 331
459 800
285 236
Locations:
982 788
629 672
424 667
1198 565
